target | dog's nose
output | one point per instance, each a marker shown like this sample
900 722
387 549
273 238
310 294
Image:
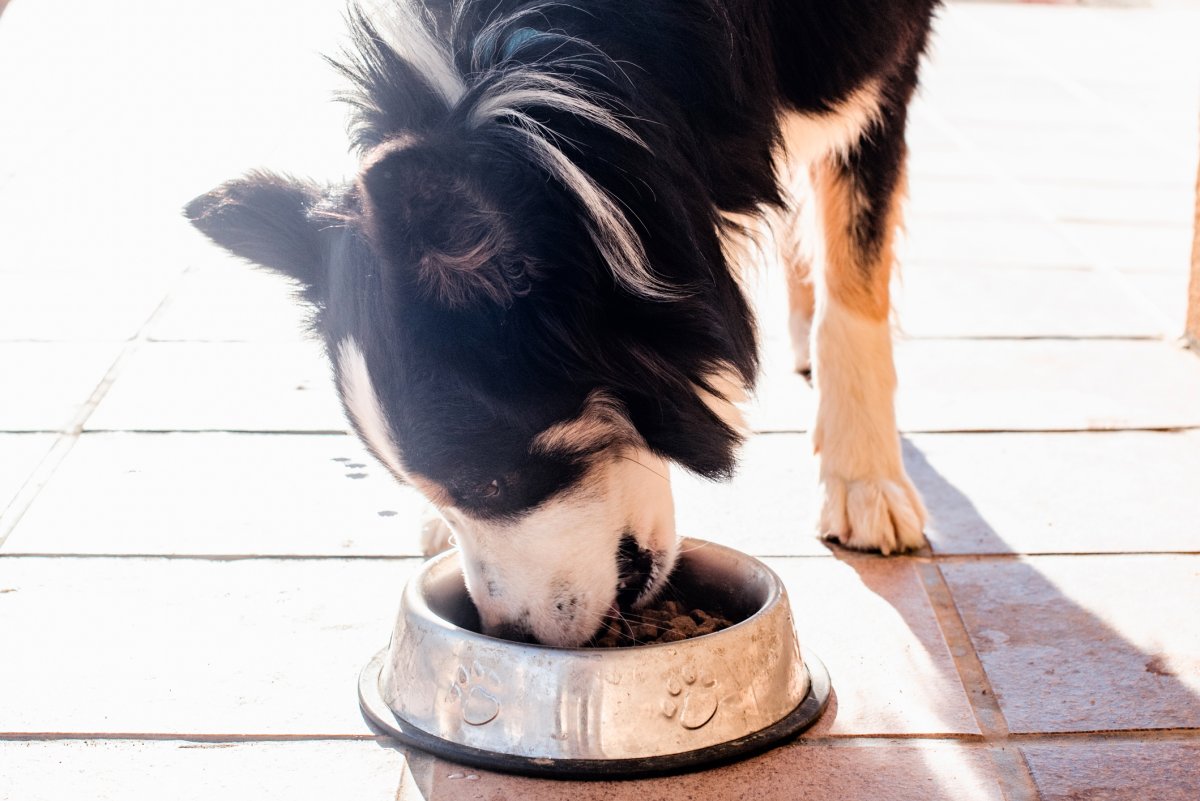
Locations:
633 570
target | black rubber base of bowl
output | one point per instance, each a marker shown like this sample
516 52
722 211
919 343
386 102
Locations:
803 716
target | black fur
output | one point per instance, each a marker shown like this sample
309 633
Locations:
468 275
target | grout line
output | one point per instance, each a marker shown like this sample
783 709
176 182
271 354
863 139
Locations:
69 434
828 740
763 431
1016 556
1034 337
1013 773
970 669
840 555
231 739
1164 429
1025 196
186 557
1117 736
317 432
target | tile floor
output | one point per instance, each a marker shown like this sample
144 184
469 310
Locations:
195 559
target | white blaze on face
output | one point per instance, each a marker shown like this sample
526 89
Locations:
363 407
553 572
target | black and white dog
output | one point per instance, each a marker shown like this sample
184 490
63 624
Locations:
530 292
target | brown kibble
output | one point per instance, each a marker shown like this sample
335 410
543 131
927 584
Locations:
646 632
671 622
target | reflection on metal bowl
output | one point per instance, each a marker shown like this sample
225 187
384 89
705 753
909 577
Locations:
444 688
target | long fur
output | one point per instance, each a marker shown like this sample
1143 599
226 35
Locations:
531 272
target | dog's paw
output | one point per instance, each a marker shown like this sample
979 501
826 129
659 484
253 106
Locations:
877 514
436 535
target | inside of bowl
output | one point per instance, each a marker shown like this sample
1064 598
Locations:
715 579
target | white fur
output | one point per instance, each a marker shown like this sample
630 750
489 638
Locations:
436 534
407 30
867 500
509 96
800 330
567 548
808 137
603 420
608 227
362 405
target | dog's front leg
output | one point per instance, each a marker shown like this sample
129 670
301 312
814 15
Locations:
867 500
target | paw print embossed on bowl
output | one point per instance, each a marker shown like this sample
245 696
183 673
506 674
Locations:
445 688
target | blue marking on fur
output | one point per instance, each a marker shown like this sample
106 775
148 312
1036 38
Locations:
519 38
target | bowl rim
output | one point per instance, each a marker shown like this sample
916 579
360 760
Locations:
414 600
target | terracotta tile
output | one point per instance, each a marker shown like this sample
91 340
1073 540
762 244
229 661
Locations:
917 771
179 646
1070 155
945 164
119 770
870 622
1006 385
229 301
77 308
783 400
222 386
1134 247
221 494
768 507
1166 291
1108 204
1086 643
1059 493
934 202
1102 770
56 380
22 452
993 243
980 301
993 493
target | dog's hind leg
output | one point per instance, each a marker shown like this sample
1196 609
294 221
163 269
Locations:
436 534
867 500
795 236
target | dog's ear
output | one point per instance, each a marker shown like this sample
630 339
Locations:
265 218
433 219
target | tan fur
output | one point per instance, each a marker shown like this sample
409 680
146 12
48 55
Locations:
801 293
602 423
1193 312
862 288
434 492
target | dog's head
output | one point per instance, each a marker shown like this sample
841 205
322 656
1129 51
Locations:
498 339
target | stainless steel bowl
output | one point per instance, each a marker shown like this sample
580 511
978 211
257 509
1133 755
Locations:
444 688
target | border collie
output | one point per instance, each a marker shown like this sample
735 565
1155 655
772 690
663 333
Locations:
530 291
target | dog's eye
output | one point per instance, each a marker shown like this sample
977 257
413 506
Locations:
491 490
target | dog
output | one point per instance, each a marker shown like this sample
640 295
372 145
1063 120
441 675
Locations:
530 292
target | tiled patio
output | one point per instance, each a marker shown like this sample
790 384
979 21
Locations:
196 559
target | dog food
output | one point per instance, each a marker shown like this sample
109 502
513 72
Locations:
671 622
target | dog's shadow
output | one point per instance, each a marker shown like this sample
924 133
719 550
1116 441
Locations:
995 615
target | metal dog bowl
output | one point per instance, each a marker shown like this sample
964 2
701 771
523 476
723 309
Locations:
444 688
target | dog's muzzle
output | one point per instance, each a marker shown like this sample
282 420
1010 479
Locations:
635 569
